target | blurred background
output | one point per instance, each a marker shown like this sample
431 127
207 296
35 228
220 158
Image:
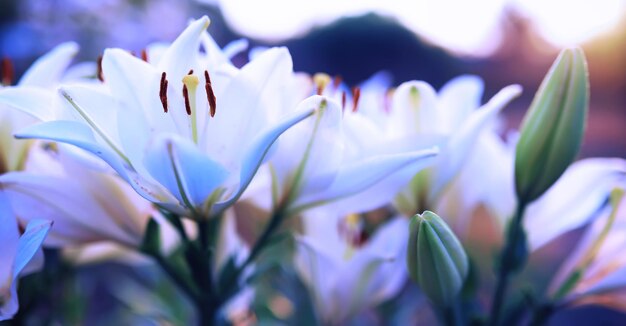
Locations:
503 41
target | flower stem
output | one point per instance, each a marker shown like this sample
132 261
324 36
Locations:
229 287
512 258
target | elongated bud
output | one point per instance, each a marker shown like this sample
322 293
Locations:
151 243
552 130
436 259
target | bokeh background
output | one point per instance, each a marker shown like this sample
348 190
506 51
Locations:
502 41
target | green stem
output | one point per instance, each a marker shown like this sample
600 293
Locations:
508 262
229 287
452 315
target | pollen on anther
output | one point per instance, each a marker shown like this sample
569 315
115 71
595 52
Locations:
186 97
99 72
210 94
163 91
144 55
7 71
190 72
356 94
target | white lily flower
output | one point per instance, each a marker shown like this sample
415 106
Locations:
344 280
450 118
162 134
86 205
597 266
574 200
414 117
17 251
315 163
42 75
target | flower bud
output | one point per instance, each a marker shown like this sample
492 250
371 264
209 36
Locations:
552 130
436 259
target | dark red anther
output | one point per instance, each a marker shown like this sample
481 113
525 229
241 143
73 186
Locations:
163 91
343 100
190 72
144 55
337 82
7 71
186 96
210 95
356 94
99 72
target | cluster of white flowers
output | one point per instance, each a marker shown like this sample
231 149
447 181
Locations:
134 157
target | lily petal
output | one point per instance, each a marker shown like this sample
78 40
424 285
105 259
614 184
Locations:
188 173
246 102
33 101
257 151
78 134
175 61
457 99
460 145
587 183
47 71
363 174
29 243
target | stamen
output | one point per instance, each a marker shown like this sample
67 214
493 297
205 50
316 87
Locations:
210 95
321 81
337 82
186 96
356 94
7 71
190 72
99 72
163 91
343 100
144 55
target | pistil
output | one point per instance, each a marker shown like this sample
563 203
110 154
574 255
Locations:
190 85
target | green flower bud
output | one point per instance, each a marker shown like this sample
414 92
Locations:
436 259
552 130
151 243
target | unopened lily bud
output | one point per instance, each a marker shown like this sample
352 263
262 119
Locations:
552 130
436 259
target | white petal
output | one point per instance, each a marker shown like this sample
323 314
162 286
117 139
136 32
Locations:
377 272
185 171
256 152
29 243
413 109
318 270
461 143
246 105
35 102
9 235
457 99
362 174
573 200
78 134
48 70
81 215
183 52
